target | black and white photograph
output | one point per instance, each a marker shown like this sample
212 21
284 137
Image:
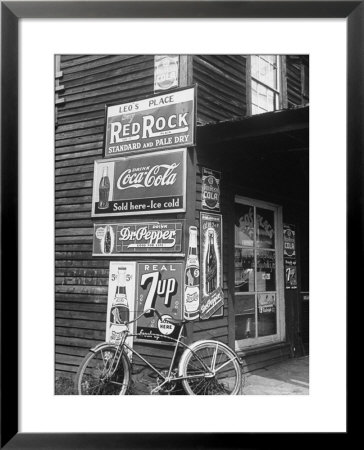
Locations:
181 224
181 200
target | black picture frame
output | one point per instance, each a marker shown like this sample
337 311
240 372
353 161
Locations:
11 13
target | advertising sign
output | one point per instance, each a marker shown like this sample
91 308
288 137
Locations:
154 123
289 252
159 286
120 300
211 189
140 184
289 233
266 303
192 279
138 238
165 72
212 296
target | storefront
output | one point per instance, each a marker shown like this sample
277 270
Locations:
185 161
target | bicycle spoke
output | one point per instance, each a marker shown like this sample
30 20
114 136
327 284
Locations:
221 376
97 376
225 364
214 357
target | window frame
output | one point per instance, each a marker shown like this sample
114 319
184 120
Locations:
280 335
280 93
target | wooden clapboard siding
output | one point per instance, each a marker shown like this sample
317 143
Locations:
221 86
297 70
81 281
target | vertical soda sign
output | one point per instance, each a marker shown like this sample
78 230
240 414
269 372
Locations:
212 295
119 312
121 300
192 279
211 263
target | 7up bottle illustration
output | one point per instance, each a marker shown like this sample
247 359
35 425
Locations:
192 279
119 312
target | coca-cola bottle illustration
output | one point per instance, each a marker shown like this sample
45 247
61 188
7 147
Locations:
107 239
104 189
119 312
192 279
210 263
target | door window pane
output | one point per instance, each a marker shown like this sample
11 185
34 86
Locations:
265 228
244 225
267 314
255 263
266 270
244 270
245 316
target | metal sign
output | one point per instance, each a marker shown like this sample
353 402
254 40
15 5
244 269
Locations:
155 123
192 278
138 238
140 184
210 189
120 301
290 262
159 286
165 72
212 295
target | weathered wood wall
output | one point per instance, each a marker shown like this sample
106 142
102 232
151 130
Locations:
81 280
221 86
297 80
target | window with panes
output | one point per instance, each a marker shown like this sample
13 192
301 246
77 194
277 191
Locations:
264 83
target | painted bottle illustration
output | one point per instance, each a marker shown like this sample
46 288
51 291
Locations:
107 240
119 312
192 279
104 189
211 263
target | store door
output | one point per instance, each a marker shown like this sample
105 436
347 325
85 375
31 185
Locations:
259 276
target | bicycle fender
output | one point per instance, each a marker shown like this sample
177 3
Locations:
195 344
103 344
108 344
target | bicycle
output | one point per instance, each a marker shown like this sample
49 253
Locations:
206 367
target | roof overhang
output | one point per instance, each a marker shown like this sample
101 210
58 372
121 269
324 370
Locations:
288 128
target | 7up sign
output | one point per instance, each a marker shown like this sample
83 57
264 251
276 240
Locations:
159 286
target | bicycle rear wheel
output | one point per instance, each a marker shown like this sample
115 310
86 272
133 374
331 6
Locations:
94 375
210 368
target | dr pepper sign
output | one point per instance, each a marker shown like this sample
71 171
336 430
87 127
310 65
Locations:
154 123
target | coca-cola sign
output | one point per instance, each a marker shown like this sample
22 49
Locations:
153 123
212 295
140 184
138 238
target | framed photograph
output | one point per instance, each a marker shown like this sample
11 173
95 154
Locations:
286 152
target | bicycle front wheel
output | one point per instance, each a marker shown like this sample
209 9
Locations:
210 368
95 377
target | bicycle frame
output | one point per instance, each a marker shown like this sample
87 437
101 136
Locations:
209 372
166 378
